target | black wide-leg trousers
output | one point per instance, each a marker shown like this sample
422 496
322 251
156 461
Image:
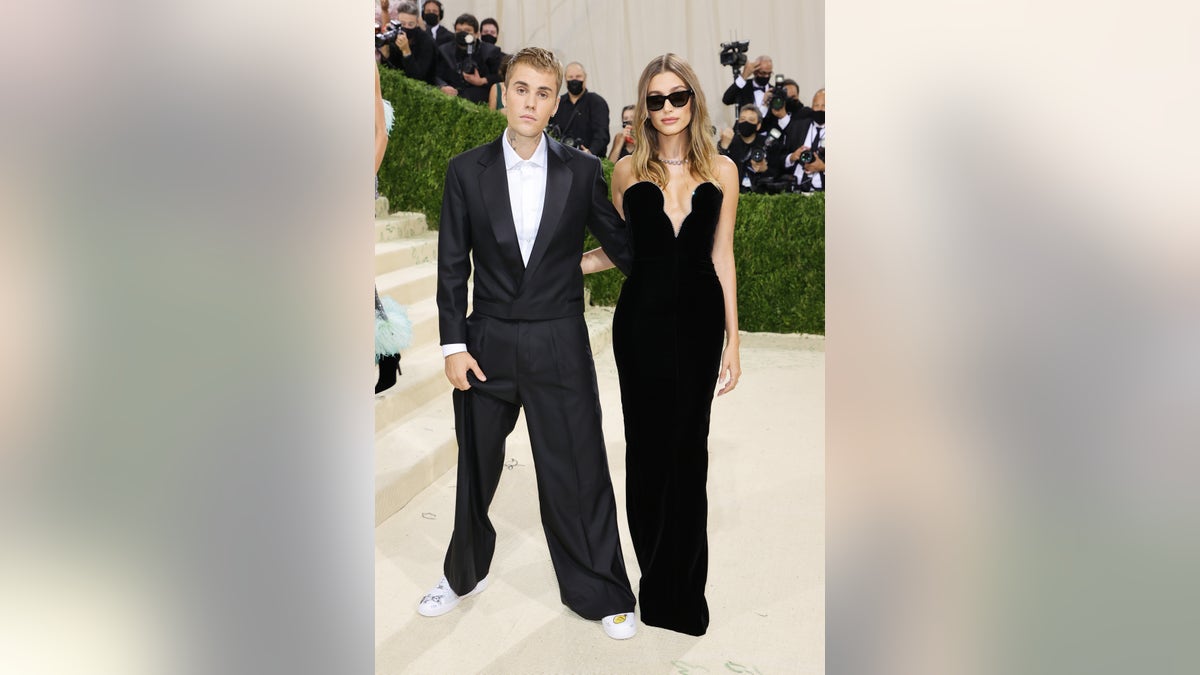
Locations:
547 368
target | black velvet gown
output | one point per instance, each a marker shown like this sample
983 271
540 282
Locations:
668 332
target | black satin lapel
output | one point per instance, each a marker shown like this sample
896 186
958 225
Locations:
558 184
494 184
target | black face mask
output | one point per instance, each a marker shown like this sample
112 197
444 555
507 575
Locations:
431 19
575 87
762 81
819 116
490 39
792 105
463 38
413 34
746 128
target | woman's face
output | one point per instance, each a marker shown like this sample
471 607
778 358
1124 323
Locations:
670 120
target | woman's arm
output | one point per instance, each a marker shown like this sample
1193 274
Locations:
731 365
381 136
492 97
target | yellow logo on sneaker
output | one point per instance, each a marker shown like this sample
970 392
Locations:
619 619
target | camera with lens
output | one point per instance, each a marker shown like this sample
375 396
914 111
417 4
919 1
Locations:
733 54
557 134
779 98
466 54
758 155
807 156
389 35
774 186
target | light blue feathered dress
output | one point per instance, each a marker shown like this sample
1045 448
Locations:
393 329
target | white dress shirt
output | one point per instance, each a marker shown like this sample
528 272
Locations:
526 196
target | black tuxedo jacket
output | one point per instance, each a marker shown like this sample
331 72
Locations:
442 36
739 96
477 223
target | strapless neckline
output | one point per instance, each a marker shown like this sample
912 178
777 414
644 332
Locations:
663 195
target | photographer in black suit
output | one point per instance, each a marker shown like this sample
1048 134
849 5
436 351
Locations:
411 49
756 159
433 13
466 65
751 85
582 117
807 161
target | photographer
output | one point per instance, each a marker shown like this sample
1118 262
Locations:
489 32
759 158
582 117
409 48
751 85
786 113
622 145
433 13
808 160
465 65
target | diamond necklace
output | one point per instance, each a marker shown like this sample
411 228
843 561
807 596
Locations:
674 162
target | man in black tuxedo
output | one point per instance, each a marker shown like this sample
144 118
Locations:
465 64
751 85
518 207
432 13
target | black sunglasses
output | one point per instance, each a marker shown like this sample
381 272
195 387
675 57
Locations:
678 99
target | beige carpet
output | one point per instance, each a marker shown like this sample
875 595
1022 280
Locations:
766 584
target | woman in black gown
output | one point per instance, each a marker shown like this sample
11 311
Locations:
675 334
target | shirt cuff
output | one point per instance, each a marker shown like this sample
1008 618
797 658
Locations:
453 348
740 81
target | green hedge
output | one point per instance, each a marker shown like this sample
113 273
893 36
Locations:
779 240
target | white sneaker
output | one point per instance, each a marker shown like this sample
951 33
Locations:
442 598
620 626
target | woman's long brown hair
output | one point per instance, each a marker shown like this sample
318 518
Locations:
702 151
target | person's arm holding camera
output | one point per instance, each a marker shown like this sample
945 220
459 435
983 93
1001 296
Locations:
739 83
445 73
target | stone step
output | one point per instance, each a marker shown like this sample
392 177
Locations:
399 225
400 253
419 445
409 285
413 455
382 208
423 380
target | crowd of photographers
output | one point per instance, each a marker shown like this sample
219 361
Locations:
778 142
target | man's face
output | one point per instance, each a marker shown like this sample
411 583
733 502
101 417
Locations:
765 68
431 8
490 29
627 118
530 99
792 91
574 72
818 101
408 21
749 116
464 28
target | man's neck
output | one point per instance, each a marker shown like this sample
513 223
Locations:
524 146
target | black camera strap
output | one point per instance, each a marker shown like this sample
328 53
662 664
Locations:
574 113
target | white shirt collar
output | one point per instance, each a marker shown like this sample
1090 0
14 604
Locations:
512 159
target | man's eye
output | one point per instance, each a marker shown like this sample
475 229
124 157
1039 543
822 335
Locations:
543 94
521 90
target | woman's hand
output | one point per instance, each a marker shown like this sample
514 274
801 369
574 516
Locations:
731 369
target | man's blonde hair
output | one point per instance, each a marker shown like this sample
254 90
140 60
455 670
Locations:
538 59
